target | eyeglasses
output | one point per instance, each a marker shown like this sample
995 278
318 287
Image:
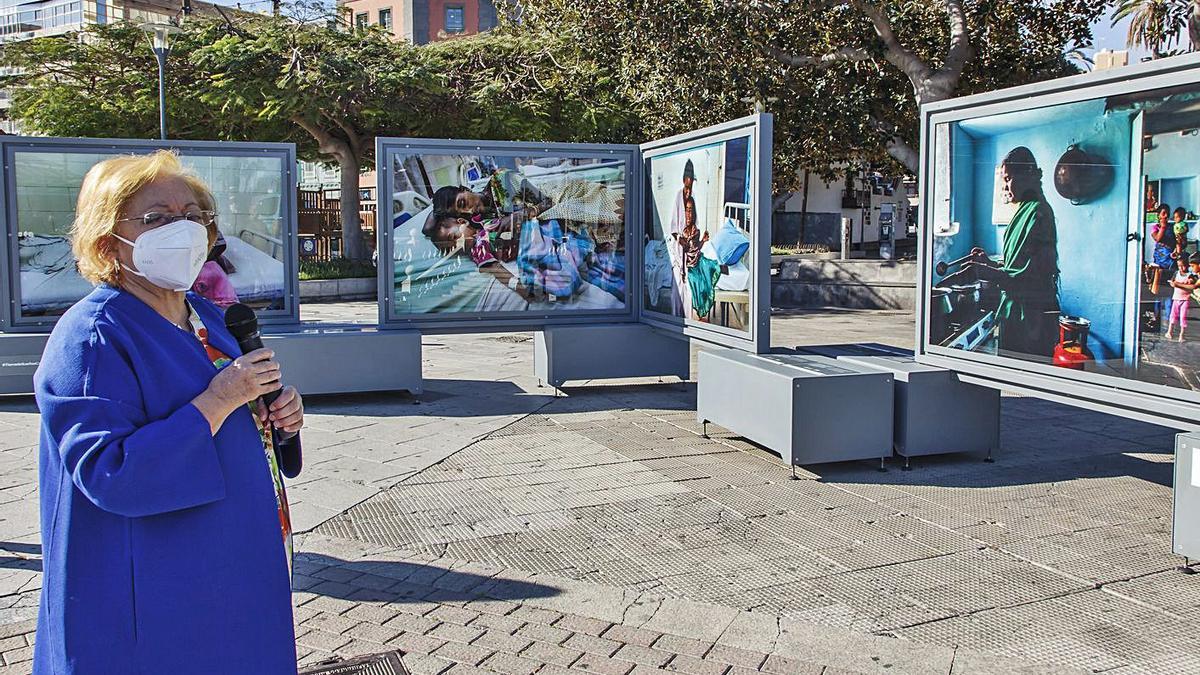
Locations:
157 219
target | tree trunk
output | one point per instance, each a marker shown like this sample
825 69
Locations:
344 151
804 209
353 243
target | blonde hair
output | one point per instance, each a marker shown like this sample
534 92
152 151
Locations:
105 193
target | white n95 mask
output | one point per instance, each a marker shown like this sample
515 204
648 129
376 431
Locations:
170 256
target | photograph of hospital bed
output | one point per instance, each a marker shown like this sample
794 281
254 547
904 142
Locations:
50 284
246 191
564 264
697 254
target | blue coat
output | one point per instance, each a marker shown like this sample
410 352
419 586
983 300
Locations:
161 545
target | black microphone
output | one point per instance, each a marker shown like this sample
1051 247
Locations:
243 325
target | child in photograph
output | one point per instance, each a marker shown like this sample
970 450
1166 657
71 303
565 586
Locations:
487 242
507 192
1184 283
701 272
1163 234
1180 229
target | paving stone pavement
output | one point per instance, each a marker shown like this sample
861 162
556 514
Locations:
495 528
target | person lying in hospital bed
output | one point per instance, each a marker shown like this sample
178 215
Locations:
585 207
488 242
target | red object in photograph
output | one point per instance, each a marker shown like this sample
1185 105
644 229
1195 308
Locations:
1072 350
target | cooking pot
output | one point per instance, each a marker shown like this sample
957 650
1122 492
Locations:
939 314
1081 176
964 301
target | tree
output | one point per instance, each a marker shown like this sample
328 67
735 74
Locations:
848 77
302 80
331 91
1157 25
940 47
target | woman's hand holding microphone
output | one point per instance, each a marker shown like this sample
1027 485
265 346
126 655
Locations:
246 379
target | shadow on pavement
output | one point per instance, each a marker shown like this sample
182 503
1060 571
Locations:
475 398
404 582
15 562
22 403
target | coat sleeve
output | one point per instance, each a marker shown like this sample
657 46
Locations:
121 460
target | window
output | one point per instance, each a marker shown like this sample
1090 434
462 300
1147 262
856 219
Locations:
456 20
385 19
360 21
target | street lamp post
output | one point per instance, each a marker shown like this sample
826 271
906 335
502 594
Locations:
161 45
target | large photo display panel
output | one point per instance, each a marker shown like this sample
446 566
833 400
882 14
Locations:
700 229
1064 237
247 265
489 234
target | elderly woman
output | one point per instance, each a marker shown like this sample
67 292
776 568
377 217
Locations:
161 501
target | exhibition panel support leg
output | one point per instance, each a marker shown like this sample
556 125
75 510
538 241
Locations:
1185 525
795 405
338 360
935 411
608 351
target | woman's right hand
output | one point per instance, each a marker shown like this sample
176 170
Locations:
245 379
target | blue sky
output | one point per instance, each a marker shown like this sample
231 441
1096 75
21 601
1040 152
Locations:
1113 37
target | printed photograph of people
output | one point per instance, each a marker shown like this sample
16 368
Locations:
1042 226
245 265
697 249
508 234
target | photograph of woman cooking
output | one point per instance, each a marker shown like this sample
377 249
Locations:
1026 274
1058 238
489 234
697 251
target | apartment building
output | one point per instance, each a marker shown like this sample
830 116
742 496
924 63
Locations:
40 18
423 21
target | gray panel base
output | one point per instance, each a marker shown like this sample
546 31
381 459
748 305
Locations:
323 359
20 354
333 360
608 351
809 409
936 412
1185 515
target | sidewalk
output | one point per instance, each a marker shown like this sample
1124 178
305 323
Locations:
494 528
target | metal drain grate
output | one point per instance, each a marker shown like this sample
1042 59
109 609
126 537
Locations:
387 663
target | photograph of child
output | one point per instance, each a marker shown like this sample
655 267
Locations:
508 234
697 253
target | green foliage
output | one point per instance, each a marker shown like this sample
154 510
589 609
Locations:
683 65
559 70
337 268
1156 25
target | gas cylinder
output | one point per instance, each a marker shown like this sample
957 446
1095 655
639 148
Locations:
1072 350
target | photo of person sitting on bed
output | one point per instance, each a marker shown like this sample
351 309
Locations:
535 236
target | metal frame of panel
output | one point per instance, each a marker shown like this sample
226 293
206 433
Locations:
12 321
760 129
1126 397
467 322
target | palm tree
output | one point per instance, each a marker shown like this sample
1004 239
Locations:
1158 25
